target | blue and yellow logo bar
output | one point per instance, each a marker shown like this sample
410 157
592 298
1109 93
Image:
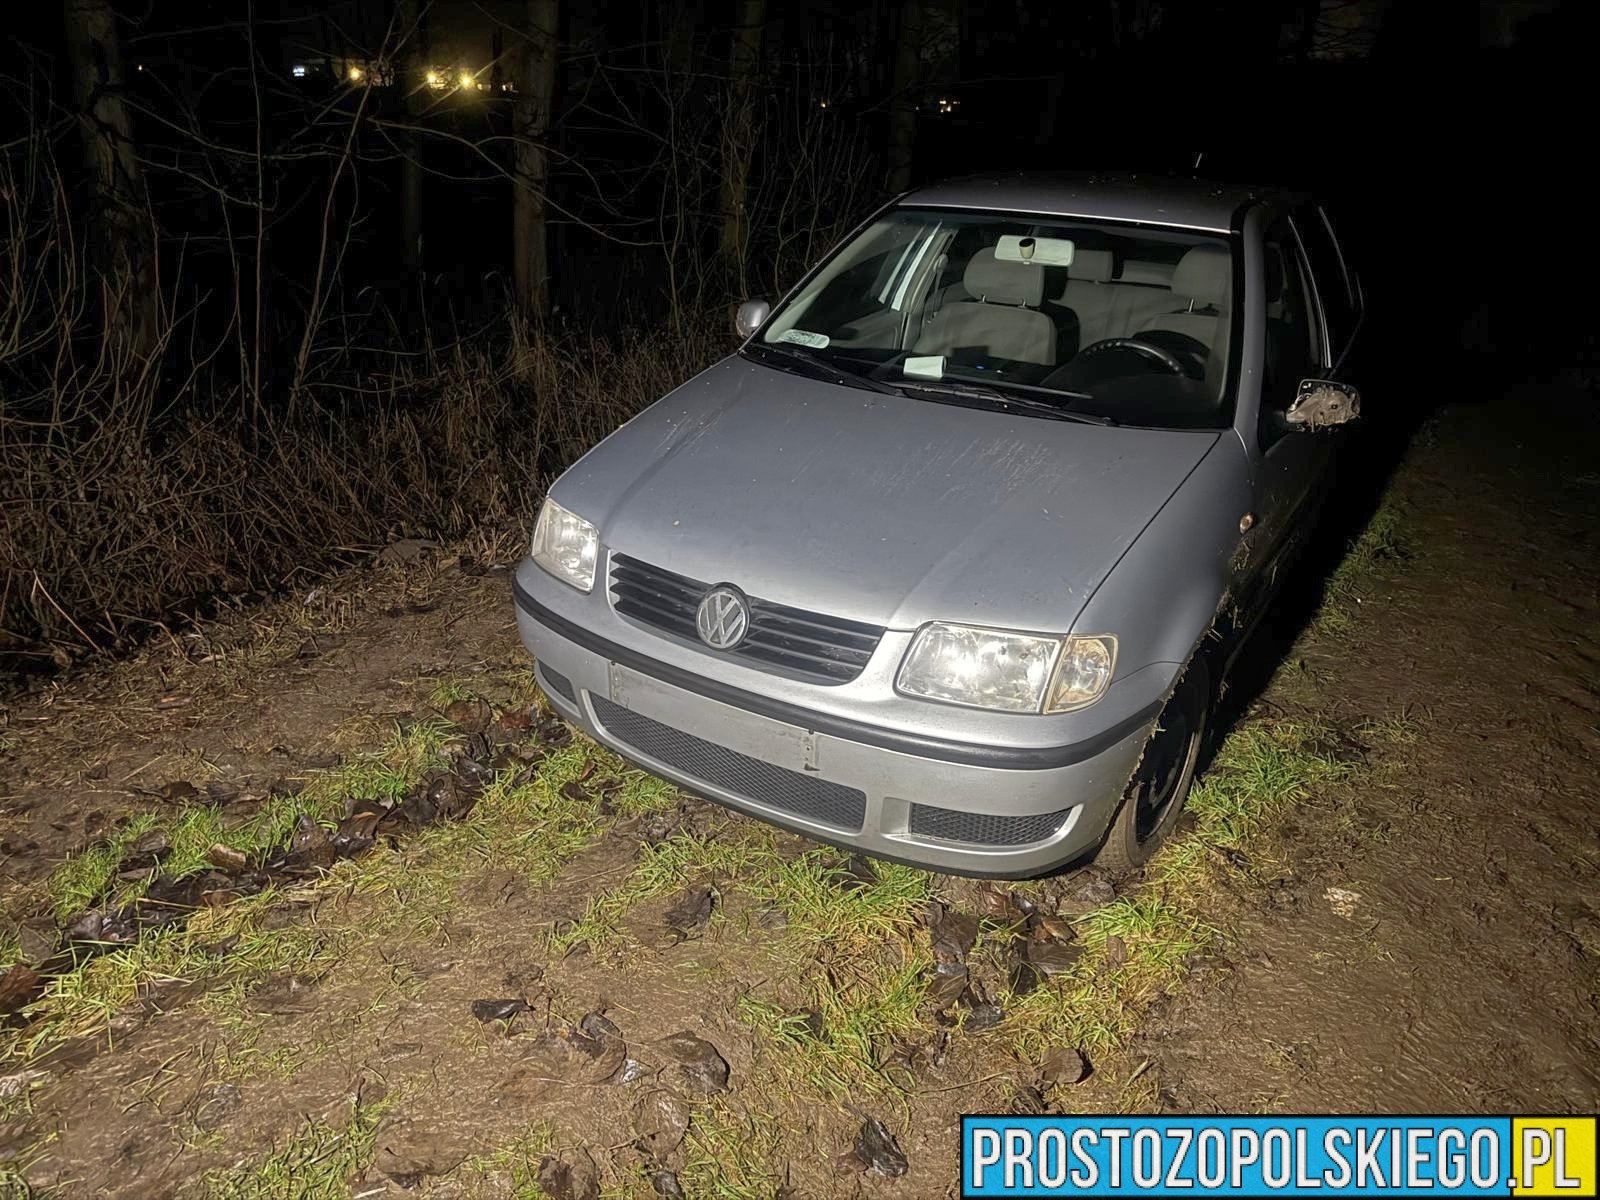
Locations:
1278 1156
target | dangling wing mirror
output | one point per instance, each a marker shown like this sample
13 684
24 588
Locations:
751 315
1323 404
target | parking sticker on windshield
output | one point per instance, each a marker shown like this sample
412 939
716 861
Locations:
801 338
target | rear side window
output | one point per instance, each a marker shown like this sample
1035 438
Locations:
1335 287
1293 349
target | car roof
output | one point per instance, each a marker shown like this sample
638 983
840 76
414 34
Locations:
1148 199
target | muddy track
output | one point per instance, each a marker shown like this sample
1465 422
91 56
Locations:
1416 929
1466 976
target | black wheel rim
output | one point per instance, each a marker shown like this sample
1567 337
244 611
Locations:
1165 764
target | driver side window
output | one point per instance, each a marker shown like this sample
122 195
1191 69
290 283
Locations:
1294 344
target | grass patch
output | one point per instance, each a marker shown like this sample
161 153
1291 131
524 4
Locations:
731 1154
740 851
513 1169
448 692
846 951
862 1008
1259 769
232 939
1095 1005
531 829
317 1163
84 878
88 879
849 954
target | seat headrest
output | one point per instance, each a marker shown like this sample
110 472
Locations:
1203 275
1094 265
988 278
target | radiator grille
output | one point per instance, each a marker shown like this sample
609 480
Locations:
814 645
774 787
984 829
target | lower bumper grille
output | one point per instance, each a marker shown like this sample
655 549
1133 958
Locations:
774 787
984 829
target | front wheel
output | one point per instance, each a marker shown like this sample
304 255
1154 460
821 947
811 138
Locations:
1161 781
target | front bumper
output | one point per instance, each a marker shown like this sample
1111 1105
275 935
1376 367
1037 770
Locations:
963 808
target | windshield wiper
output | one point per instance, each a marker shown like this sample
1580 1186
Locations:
825 369
1004 400
1013 385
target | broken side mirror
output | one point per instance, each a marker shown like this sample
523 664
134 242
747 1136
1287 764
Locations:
1323 404
750 317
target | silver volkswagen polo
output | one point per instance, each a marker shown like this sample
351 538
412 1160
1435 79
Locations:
947 562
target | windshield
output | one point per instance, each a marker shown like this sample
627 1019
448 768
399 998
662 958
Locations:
1129 324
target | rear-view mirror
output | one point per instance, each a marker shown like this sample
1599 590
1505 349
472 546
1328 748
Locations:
1323 404
750 316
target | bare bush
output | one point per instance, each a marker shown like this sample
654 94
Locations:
120 506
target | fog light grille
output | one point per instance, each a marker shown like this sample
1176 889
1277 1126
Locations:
555 681
984 829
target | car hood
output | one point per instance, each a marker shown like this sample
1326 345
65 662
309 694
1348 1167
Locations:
877 508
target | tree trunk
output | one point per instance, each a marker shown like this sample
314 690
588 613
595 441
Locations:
903 109
536 87
738 138
122 246
414 65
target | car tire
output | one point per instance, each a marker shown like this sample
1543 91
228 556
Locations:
1160 784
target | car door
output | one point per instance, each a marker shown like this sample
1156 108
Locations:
1294 464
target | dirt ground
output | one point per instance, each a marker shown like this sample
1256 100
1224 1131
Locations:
697 1005
1465 978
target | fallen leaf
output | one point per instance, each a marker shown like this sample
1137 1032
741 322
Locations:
703 1069
571 1177
1063 1066
1053 958
471 714
309 843
1116 952
945 986
1343 900
953 937
998 906
878 1150
1048 925
660 1119
225 858
568 1054
498 1010
691 909
856 872
18 987
983 1016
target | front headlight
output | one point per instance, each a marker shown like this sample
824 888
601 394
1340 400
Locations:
565 545
1014 672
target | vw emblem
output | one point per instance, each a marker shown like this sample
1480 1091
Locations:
722 619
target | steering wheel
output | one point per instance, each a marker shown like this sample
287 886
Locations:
1165 357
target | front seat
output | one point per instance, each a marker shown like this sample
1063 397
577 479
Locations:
1001 320
1201 283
